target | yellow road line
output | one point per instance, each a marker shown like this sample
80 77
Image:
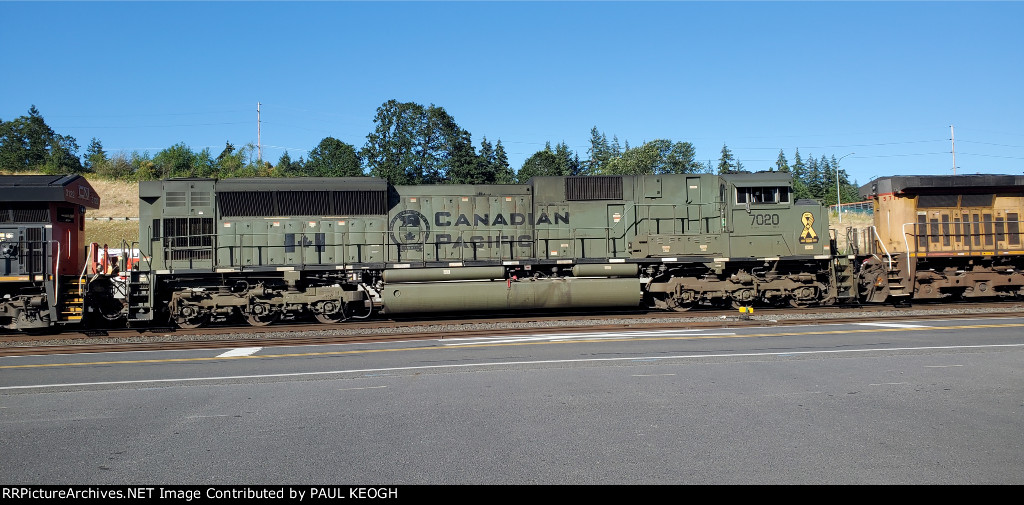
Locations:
484 344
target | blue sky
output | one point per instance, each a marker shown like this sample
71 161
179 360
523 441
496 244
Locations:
882 80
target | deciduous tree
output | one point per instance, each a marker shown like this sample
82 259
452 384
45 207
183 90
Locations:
333 158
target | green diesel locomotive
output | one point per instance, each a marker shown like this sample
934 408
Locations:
341 248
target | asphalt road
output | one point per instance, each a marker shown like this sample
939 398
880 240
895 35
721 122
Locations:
881 402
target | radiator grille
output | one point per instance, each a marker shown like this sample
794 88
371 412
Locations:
251 203
360 203
593 188
302 203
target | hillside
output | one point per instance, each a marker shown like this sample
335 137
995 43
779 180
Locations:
118 200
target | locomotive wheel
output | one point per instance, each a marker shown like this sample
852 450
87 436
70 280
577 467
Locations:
330 312
332 318
800 304
190 317
189 323
263 319
262 315
679 306
736 304
680 302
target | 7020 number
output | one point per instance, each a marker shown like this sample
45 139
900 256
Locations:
765 219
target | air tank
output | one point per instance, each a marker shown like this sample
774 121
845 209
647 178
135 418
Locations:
561 293
443 274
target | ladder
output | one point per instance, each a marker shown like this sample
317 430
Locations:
846 282
71 301
139 309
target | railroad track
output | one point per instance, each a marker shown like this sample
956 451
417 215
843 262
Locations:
440 327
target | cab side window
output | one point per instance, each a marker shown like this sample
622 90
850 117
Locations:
762 194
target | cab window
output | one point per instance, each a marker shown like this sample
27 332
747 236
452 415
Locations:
762 194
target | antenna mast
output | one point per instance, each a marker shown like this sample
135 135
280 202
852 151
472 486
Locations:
259 132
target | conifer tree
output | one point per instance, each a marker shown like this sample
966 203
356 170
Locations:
503 172
781 164
95 156
726 163
599 152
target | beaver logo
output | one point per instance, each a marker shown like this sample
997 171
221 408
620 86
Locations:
409 230
808 236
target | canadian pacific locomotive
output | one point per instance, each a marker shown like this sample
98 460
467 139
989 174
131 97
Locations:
265 250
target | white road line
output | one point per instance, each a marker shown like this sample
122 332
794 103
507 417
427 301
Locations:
894 325
484 365
354 389
241 351
506 339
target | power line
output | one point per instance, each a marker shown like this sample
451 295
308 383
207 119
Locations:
150 126
853 145
991 144
147 115
994 156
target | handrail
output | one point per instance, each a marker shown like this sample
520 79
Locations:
56 275
884 249
85 264
906 245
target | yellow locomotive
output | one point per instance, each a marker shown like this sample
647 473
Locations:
938 237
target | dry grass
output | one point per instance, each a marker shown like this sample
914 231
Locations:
850 220
111 232
118 199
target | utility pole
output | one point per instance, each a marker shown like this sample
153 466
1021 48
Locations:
259 128
952 140
839 202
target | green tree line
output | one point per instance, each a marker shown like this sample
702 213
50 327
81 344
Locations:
410 144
